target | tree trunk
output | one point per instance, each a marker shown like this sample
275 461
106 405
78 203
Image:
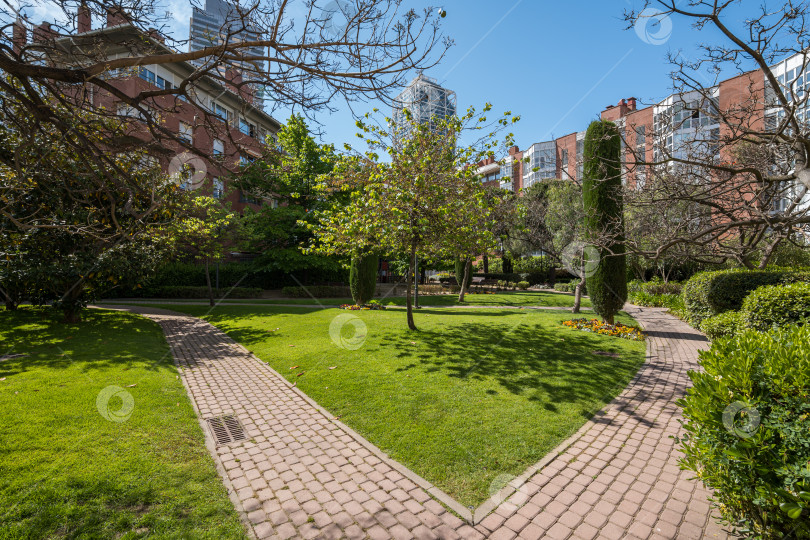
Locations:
507 265
578 295
73 315
208 283
552 276
768 253
11 304
486 264
408 294
465 279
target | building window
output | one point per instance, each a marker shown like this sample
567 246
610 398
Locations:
185 134
247 128
151 77
223 113
247 198
219 148
219 188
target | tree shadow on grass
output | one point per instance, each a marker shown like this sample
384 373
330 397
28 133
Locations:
102 339
536 359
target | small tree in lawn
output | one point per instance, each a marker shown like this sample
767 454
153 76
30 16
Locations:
204 233
363 278
604 223
426 202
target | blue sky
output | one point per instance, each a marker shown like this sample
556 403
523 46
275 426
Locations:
555 63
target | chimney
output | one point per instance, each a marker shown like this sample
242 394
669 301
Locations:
19 35
514 150
631 103
116 16
84 22
233 78
44 32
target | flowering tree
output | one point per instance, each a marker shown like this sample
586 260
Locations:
427 201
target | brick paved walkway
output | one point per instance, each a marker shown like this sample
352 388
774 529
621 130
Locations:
303 474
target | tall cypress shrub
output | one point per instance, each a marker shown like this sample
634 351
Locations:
363 278
606 268
461 263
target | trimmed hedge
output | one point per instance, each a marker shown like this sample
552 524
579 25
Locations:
245 274
747 422
646 299
202 292
318 291
726 324
710 293
570 287
654 287
777 305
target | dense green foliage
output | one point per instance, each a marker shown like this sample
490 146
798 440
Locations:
748 431
711 293
777 305
725 324
289 175
363 278
91 224
603 221
67 471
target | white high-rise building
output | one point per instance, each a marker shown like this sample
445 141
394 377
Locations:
425 99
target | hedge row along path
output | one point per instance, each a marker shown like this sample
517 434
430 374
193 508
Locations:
303 474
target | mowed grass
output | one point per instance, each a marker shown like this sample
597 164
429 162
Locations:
473 395
510 298
65 470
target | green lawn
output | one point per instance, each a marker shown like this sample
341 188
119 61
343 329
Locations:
474 394
512 298
65 470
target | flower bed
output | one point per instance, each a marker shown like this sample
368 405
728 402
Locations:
354 307
598 327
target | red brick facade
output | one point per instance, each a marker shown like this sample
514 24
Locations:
204 128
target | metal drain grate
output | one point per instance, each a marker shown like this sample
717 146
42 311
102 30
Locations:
226 429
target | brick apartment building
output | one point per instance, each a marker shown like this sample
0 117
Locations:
232 132
668 127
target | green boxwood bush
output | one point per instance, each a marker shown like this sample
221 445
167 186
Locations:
724 325
523 285
711 293
777 305
747 423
